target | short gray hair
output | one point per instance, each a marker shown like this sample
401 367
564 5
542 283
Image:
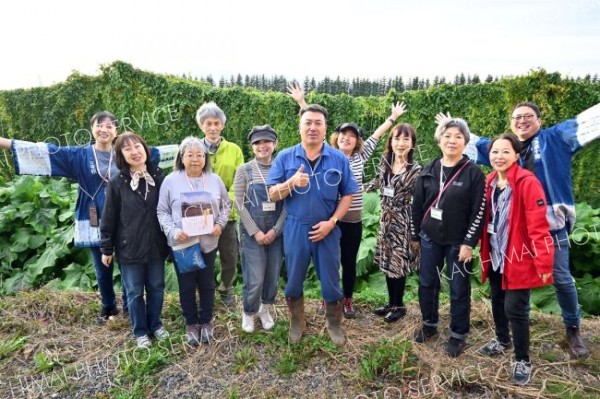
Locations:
187 144
447 123
210 110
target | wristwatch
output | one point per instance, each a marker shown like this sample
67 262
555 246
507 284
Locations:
334 219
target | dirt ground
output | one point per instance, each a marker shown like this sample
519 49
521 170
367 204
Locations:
52 347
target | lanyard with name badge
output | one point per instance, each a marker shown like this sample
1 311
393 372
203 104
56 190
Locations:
437 213
268 205
93 209
388 189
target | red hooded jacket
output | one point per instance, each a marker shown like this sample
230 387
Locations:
529 250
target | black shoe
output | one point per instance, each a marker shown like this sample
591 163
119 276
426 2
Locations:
495 348
576 344
106 314
228 299
382 310
455 346
395 314
425 333
348 309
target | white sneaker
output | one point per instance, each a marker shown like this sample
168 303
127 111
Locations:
161 334
247 322
143 342
521 373
265 317
207 332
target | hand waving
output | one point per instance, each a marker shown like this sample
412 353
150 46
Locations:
440 117
297 93
398 110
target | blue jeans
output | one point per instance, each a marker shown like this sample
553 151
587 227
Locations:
458 277
325 255
260 270
564 284
104 276
145 314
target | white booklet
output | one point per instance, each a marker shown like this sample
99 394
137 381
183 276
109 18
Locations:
197 217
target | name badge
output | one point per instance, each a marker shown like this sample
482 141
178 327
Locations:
490 229
268 206
436 213
94 222
388 191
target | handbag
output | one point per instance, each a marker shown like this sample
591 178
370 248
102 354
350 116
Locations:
188 258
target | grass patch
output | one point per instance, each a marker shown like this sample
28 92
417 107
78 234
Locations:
550 356
389 358
243 360
233 392
45 362
7 348
297 356
140 363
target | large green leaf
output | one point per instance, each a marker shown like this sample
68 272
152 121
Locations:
544 298
20 240
366 252
76 277
36 241
26 189
8 214
6 255
589 294
19 282
46 260
377 282
43 220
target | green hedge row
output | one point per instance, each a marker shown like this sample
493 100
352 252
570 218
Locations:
162 109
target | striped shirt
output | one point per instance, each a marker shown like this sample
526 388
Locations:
357 166
240 184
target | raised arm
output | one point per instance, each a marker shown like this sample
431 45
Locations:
5 143
397 110
297 93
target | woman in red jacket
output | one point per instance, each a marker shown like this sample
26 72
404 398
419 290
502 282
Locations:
516 250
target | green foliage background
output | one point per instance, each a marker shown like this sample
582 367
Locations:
37 213
162 109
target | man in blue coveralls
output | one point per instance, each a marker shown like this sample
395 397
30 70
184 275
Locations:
316 182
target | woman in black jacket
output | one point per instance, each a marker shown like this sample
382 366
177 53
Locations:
447 219
130 229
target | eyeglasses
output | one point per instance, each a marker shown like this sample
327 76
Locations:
194 156
526 117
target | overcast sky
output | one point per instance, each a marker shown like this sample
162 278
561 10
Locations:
42 42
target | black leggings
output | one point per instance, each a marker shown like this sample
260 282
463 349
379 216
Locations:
511 307
396 288
349 243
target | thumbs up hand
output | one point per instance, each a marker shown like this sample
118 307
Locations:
300 178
